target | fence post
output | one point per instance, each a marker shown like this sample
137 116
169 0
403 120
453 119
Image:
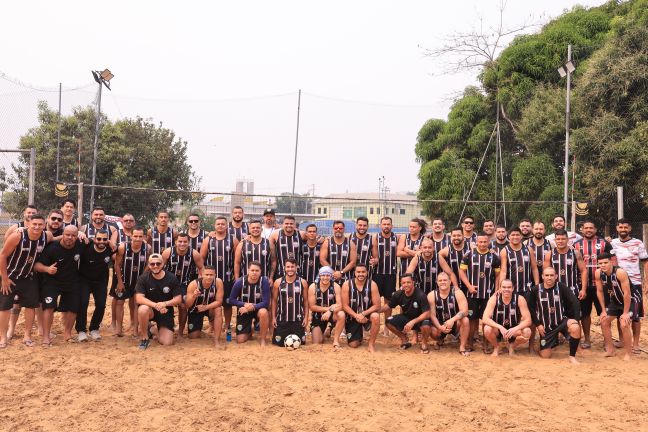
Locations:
80 204
572 223
619 202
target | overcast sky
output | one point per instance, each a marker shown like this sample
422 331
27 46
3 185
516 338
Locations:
225 75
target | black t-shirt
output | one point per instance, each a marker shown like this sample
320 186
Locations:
158 290
67 264
412 306
94 265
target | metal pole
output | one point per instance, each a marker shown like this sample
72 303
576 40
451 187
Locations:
292 201
58 135
567 109
619 202
80 204
32 174
96 144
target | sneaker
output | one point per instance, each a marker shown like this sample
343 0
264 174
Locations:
82 337
94 335
144 343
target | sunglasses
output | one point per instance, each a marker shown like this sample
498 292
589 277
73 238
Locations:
99 239
469 222
155 264
128 220
55 219
194 221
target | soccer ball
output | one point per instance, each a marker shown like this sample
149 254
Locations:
292 342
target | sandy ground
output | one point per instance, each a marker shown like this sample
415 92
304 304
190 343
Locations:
111 385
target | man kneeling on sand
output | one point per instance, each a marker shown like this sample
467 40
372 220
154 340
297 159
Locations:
448 314
251 296
414 316
507 318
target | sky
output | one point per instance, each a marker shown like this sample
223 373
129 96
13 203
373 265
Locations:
225 77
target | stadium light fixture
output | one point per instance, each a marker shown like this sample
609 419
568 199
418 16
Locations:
103 79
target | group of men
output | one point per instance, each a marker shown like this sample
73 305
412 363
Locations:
283 281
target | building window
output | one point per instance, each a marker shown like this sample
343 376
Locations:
347 212
359 211
393 210
402 211
319 210
371 210
377 210
325 209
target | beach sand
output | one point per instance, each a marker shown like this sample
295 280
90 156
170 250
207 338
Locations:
111 385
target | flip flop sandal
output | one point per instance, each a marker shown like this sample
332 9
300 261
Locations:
405 346
71 340
28 343
425 349
636 351
586 345
465 353
46 344
436 347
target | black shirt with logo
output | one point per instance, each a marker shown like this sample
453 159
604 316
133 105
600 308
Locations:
94 264
412 306
158 290
67 264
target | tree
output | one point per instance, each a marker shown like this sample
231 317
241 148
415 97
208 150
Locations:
299 204
133 153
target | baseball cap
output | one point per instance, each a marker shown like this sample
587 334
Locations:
268 211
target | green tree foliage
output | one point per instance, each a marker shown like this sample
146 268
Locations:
299 204
609 120
132 153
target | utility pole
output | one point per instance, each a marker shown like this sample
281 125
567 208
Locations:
292 201
566 71
103 79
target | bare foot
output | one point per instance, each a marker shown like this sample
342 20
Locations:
263 343
626 357
573 360
610 353
371 348
495 353
511 351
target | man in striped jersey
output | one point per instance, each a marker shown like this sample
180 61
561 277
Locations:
439 236
489 228
289 305
364 244
425 267
196 233
614 292
526 229
287 244
518 264
204 300
555 309
453 254
339 253
414 316
310 253
17 257
97 223
385 243
539 245
500 241
161 236
255 248
130 263
409 244
631 254
468 230
121 235
589 247
507 318
68 207
478 271
325 303
236 226
251 296
218 252
184 262
568 264
558 224
448 314
361 304
28 212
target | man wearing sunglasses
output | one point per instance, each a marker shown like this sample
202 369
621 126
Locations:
156 292
93 279
195 232
468 230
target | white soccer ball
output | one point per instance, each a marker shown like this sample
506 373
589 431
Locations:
292 342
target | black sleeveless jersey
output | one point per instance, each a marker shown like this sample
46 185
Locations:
324 298
426 273
363 248
496 247
339 254
134 263
287 247
550 310
454 261
90 230
507 315
195 243
220 255
310 262
612 291
359 299
481 272
290 301
256 252
122 237
447 307
161 240
182 266
539 251
387 254
239 232
73 222
20 263
566 268
441 244
518 268
206 296
411 244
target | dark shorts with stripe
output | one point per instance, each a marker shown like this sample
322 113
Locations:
637 298
550 339
24 293
287 328
196 320
476 308
244 322
386 285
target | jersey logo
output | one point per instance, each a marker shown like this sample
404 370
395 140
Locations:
415 304
482 275
290 299
166 290
520 269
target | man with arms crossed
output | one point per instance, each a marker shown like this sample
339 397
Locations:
156 292
361 303
325 303
507 318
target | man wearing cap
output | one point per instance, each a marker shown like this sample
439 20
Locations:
156 292
269 223
325 302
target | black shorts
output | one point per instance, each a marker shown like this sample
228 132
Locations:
129 291
354 330
24 293
589 300
637 308
400 321
386 285
68 300
196 320
476 308
616 309
164 319
454 332
244 322
227 290
550 339
316 321
287 328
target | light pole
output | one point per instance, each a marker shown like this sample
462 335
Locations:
103 79
566 71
